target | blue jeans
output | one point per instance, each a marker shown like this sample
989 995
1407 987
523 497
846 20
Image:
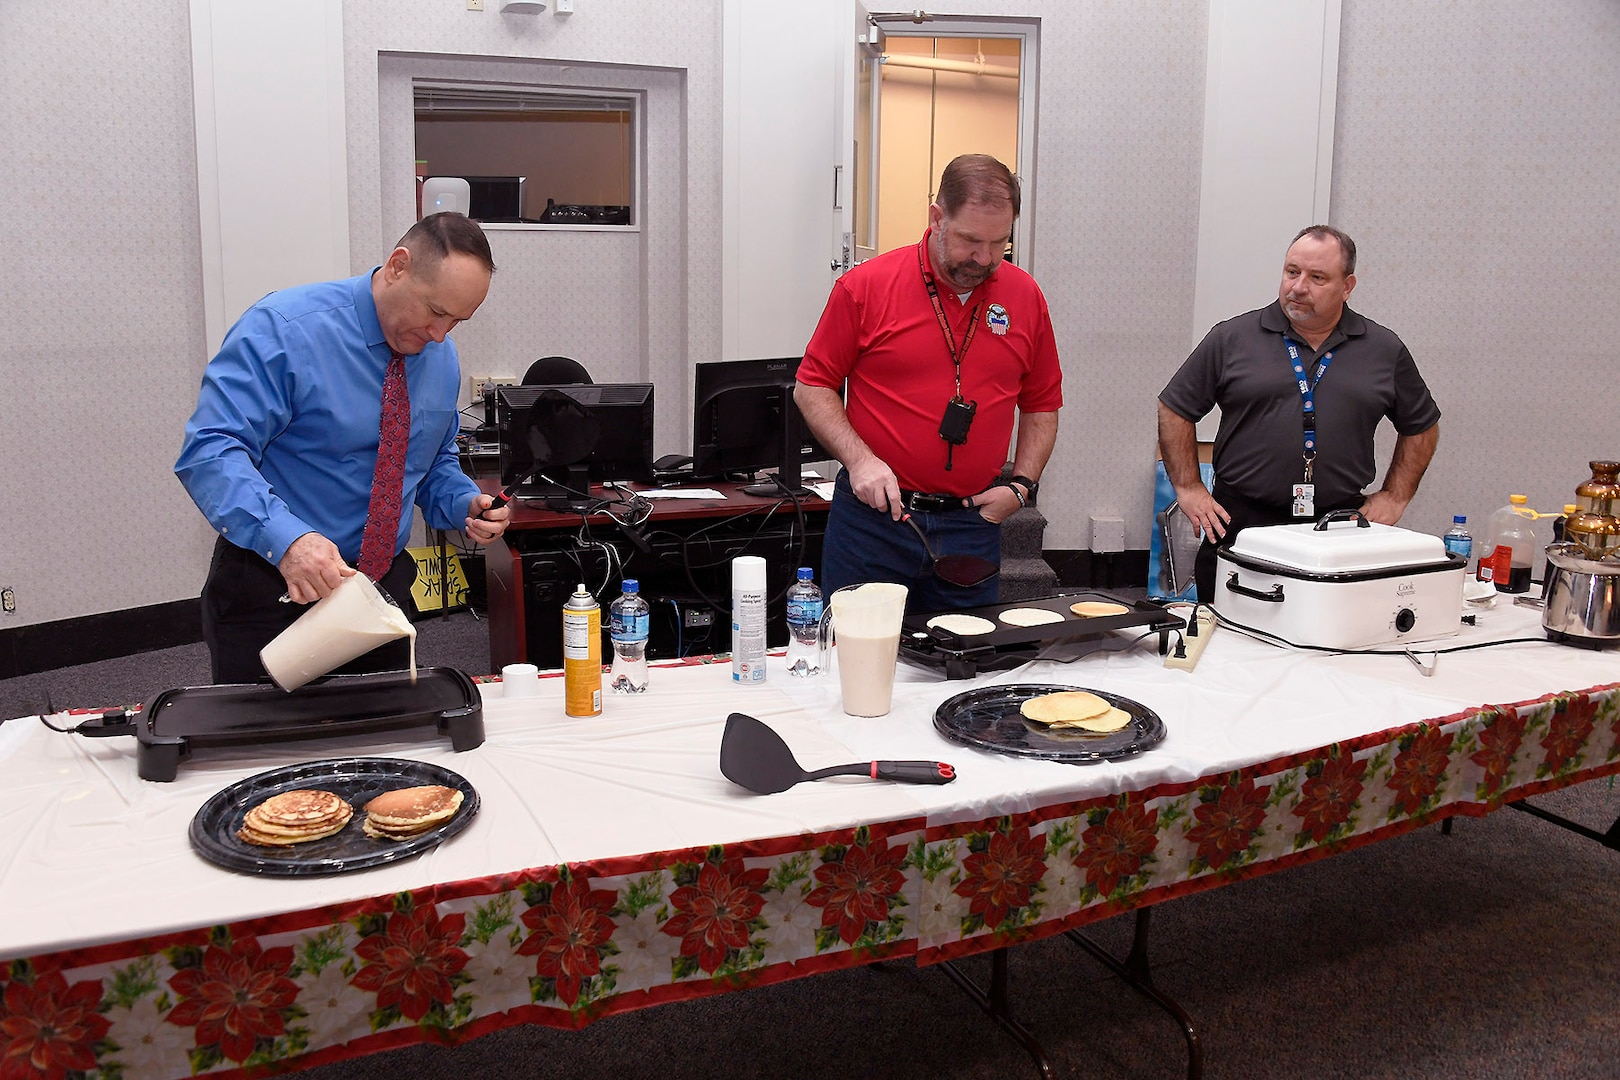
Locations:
863 544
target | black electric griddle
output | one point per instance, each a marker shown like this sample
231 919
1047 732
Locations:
965 655
176 722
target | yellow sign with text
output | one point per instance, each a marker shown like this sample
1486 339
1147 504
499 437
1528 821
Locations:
435 582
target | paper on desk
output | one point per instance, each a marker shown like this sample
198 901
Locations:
680 493
823 489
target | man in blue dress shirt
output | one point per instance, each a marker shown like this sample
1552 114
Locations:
280 453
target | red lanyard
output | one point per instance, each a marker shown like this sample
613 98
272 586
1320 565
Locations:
944 323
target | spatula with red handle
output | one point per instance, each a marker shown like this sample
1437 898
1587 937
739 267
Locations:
754 756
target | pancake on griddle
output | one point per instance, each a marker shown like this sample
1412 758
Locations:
1096 609
1029 616
408 812
295 817
962 625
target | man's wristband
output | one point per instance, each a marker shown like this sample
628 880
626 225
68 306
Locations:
1030 489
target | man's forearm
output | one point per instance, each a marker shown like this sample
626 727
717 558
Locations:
1178 447
1037 435
824 415
1410 460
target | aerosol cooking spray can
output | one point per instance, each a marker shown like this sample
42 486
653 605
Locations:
748 620
582 655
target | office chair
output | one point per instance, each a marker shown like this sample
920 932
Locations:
556 371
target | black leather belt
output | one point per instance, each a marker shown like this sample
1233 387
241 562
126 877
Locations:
923 502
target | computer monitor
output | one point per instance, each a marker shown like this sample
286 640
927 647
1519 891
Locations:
495 198
745 421
555 440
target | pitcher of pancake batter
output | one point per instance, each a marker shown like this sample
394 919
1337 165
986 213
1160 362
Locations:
351 620
864 622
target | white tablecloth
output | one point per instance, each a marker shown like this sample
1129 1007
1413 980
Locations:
90 853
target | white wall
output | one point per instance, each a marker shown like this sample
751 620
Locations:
1475 165
101 277
281 152
781 66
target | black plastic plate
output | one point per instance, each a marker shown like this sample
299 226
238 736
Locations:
988 718
358 780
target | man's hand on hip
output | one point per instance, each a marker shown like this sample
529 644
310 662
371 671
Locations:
874 484
312 568
995 504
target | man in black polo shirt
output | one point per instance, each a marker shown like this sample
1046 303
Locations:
1302 385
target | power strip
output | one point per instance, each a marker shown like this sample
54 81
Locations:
1194 646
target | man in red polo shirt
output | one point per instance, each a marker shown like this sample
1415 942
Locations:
940 345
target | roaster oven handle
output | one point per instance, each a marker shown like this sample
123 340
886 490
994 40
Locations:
1275 596
1342 515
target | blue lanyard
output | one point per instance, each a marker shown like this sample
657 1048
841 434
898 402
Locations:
1307 396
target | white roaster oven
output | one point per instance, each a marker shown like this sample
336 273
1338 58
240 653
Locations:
1340 583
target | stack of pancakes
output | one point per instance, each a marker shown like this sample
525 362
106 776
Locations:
294 817
408 812
1077 711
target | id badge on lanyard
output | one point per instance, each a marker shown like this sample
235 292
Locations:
1303 497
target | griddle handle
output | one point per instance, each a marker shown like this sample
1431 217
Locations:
1275 596
1342 515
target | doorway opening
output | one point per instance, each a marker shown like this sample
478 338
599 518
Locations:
943 86
939 98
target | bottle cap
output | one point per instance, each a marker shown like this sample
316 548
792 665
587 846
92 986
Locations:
806 574
1460 519
1518 500
748 573
631 585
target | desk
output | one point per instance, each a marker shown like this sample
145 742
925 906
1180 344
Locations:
682 555
612 867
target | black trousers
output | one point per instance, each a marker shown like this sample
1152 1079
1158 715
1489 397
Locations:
1246 513
242 612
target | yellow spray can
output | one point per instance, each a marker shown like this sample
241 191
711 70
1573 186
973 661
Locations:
582 655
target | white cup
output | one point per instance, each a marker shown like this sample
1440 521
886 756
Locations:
520 680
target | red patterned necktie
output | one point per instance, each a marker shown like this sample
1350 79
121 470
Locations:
388 482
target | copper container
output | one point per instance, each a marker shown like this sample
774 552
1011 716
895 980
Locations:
1597 534
1601 494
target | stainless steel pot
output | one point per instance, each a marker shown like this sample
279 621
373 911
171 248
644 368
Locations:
1583 597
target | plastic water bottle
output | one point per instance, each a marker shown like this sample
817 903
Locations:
1457 540
628 621
804 623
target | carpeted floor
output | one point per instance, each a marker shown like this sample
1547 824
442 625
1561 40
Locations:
1488 953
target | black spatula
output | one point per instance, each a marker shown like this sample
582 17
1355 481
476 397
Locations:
754 756
963 571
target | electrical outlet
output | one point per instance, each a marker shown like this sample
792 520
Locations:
8 600
1193 646
697 617
475 5
475 386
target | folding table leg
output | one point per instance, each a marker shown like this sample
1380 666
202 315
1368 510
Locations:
1610 839
1135 971
995 1004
